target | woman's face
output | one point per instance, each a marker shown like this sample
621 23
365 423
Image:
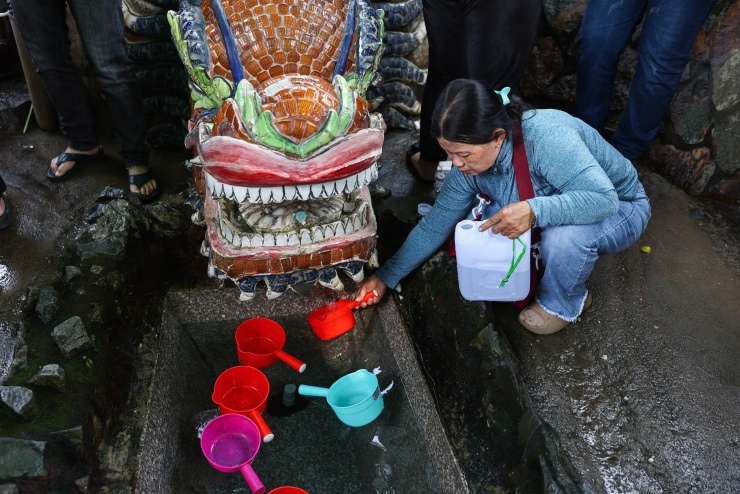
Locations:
473 159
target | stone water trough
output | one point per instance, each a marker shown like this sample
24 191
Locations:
404 450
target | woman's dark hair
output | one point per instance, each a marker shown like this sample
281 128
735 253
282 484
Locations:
469 111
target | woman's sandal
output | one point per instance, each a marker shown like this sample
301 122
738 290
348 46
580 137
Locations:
139 181
79 161
535 319
5 217
412 150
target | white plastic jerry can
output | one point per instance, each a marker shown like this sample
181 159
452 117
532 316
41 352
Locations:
491 266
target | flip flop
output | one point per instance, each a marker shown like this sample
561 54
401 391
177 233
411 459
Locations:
139 181
5 217
79 161
412 150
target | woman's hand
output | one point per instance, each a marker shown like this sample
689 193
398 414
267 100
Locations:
511 220
370 284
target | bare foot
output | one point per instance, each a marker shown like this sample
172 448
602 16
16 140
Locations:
59 169
148 188
2 204
425 169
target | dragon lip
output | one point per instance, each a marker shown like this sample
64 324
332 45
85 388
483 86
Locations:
301 192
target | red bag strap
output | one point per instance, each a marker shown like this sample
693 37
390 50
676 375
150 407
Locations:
521 172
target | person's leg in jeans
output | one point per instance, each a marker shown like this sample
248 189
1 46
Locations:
668 35
605 33
569 253
47 39
101 27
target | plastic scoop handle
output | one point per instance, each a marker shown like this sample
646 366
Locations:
293 362
265 431
339 308
253 481
367 297
306 390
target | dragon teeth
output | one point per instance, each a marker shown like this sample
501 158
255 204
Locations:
302 192
304 237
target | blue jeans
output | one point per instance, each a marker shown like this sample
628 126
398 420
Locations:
43 28
668 34
569 253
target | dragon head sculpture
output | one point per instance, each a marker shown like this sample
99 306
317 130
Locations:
285 142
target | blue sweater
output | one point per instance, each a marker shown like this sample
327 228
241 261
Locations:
578 178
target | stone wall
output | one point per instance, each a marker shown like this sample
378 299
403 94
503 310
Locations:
697 148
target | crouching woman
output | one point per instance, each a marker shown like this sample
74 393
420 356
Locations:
588 199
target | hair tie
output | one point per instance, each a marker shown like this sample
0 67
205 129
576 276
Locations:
504 93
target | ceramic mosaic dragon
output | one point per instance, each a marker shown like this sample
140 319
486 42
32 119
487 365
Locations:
286 143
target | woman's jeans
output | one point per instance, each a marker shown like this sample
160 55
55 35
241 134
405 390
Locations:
668 34
569 253
43 28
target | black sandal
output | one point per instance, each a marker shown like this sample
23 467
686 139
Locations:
77 158
139 181
412 150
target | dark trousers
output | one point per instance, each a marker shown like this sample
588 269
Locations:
668 34
42 25
2 186
487 40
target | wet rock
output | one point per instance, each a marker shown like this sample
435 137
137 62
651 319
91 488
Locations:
14 107
563 89
9 489
83 484
71 337
30 299
71 272
20 400
726 93
565 15
683 167
96 269
109 193
545 65
114 280
116 489
113 246
726 129
96 314
169 219
20 457
707 172
48 304
9 334
727 187
73 438
691 111
488 341
108 235
379 192
94 212
20 359
49 376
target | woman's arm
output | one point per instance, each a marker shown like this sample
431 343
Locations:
452 204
